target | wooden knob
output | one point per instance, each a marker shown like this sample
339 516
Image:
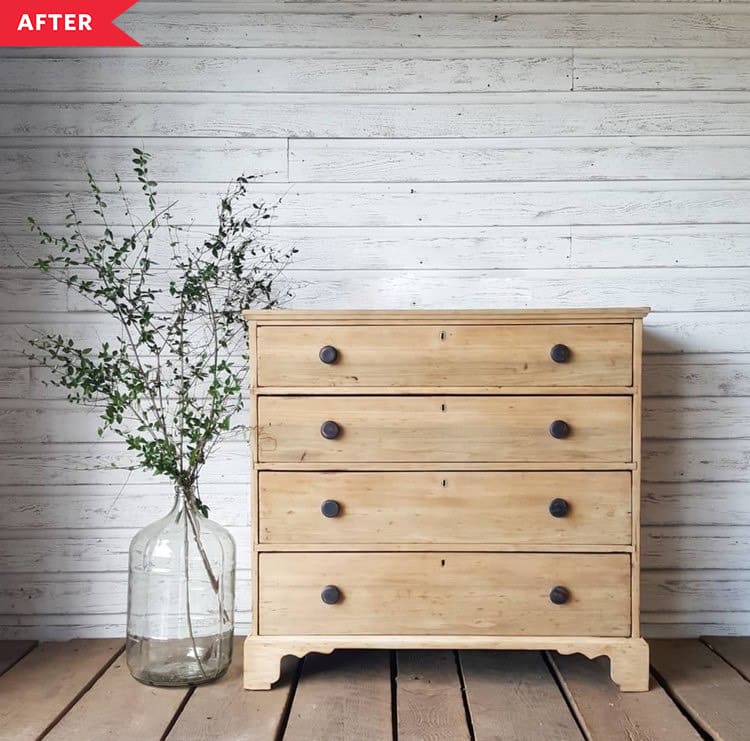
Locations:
560 353
559 429
330 430
559 595
330 594
330 508
558 507
328 354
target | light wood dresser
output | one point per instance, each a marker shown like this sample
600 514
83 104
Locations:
446 479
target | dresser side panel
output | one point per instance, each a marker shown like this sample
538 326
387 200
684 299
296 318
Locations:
636 503
252 359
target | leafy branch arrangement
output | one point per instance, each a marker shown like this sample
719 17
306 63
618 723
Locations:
172 379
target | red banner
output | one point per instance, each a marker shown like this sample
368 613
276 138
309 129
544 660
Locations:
63 23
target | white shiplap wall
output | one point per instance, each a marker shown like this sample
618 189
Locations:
432 155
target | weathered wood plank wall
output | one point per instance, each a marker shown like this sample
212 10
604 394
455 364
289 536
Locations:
428 154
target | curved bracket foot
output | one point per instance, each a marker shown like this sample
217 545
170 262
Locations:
263 660
628 665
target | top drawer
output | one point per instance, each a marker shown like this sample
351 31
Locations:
433 355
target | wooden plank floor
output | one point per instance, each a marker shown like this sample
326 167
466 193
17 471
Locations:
700 689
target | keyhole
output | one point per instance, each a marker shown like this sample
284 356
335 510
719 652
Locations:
444 483
442 336
442 407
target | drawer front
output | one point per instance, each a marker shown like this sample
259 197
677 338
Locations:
339 429
557 507
598 355
444 594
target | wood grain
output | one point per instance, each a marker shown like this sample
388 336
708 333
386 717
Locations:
527 25
685 590
696 460
414 204
670 291
354 694
689 291
709 332
451 248
63 627
493 428
601 355
15 383
294 70
428 697
638 667
697 375
19 286
45 593
220 159
92 507
11 652
661 69
714 694
114 696
43 686
513 695
445 507
223 709
448 547
688 503
486 160
88 550
722 418
735 651
697 547
695 624
105 463
529 247
343 696
605 712
659 245
447 390
381 248
490 316
428 594
330 115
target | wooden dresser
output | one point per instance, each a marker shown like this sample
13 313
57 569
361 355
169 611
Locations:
446 479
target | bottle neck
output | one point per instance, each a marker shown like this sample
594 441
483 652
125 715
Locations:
184 499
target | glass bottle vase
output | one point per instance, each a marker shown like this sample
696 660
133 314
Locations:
180 598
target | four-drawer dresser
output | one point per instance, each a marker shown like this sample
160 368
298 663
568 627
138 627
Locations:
446 479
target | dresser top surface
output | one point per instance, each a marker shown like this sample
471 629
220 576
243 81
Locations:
494 316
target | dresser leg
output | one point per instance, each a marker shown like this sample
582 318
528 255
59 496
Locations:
262 665
628 665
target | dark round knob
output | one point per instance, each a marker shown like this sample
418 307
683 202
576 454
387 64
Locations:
559 595
558 507
330 594
330 508
560 353
559 429
330 430
328 354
